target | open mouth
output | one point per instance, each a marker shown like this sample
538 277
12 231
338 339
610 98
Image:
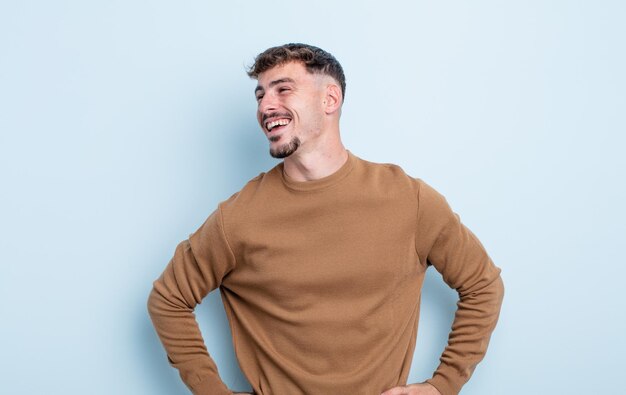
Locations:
277 124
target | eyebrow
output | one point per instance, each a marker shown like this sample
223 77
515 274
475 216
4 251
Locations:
275 82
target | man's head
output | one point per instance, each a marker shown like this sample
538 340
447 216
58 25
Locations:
315 59
299 93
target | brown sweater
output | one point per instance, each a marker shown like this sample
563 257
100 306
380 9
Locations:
321 283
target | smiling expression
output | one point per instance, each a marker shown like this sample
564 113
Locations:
290 107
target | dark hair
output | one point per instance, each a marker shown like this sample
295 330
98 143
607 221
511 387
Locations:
315 60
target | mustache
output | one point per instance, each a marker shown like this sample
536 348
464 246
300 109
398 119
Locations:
275 115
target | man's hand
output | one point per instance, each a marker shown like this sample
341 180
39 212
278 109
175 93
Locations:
413 389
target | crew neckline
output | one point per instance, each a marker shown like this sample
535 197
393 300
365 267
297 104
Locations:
320 183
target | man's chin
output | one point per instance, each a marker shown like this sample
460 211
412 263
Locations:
280 155
285 150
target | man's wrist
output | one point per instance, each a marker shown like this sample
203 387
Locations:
443 385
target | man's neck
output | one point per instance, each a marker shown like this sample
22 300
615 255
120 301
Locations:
308 166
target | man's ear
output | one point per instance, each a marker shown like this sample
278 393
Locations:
333 99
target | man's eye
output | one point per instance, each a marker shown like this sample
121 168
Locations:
258 98
281 90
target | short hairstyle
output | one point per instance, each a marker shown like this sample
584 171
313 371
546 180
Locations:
315 59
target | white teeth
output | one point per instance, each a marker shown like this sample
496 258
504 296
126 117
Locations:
273 124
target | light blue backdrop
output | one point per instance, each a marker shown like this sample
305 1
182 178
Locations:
124 123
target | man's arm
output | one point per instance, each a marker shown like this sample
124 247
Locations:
444 242
198 266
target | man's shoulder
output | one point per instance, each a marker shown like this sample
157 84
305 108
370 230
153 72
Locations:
382 166
250 190
388 175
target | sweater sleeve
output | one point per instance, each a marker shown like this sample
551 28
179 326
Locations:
445 243
198 267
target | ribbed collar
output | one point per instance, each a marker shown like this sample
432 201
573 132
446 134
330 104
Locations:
320 183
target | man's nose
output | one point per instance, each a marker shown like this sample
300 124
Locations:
267 104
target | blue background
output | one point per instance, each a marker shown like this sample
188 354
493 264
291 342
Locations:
124 123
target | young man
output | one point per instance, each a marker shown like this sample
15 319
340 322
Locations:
320 261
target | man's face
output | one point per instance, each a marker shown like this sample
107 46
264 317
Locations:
290 107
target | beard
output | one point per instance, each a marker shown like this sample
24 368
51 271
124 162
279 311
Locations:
285 150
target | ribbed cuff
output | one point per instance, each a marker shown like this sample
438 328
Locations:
444 386
210 386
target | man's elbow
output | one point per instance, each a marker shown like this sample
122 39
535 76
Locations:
499 290
487 298
154 302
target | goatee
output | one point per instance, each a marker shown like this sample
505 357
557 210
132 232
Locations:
286 149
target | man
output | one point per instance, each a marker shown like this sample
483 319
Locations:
320 261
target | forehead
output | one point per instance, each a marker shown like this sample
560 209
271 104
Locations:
294 71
